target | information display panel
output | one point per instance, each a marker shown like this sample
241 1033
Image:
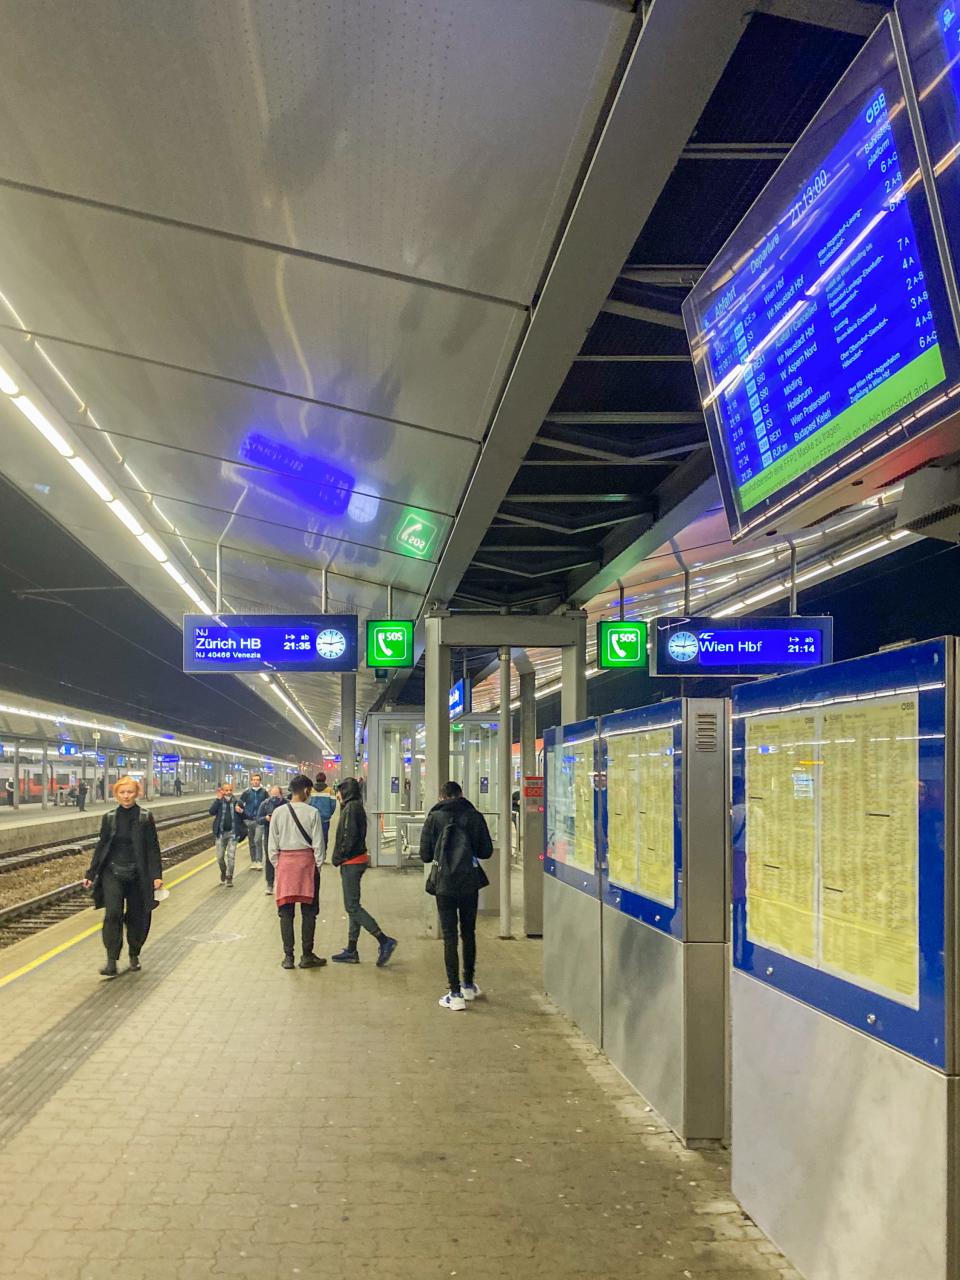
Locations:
238 643
822 328
570 772
838 841
642 851
685 646
931 31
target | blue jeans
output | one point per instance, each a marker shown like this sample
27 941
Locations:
255 835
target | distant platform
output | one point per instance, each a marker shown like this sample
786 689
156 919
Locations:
31 824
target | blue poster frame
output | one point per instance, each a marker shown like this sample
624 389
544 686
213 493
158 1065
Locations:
668 920
576 877
922 669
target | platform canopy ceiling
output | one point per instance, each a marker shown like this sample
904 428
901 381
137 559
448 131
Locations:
268 264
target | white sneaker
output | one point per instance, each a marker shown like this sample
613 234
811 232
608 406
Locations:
268 889
471 991
450 1001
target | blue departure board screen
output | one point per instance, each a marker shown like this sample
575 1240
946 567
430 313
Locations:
685 646
239 643
931 30
823 323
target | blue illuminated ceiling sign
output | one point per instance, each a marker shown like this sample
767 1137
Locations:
460 699
685 646
269 642
822 331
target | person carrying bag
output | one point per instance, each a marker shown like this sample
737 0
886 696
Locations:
297 852
455 837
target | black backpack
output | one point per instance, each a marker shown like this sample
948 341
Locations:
454 870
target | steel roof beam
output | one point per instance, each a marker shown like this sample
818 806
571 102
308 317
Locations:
680 277
639 358
679 56
640 417
686 494
855 17
736 151
652 315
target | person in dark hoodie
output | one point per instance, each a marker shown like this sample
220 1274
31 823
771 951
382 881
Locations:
455 837
351 856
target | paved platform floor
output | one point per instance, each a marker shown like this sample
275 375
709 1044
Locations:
216 1115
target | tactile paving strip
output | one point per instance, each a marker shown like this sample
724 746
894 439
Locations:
32 1078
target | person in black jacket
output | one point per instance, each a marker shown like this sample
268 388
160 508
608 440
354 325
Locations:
123 873
454 837
229 830
351 856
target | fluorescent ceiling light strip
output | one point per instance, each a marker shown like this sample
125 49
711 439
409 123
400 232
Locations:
90 477
126 516
7 384
174 573
150 543
43 425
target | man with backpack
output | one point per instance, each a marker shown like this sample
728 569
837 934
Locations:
454 838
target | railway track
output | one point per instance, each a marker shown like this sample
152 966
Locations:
33 855
22 919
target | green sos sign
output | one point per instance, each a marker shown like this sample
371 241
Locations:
390 643
621 644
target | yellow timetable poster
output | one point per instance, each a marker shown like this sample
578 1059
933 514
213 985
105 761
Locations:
623 789
869 846
782 768
655 816
583 855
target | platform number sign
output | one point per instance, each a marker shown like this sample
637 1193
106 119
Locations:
621 644
390 643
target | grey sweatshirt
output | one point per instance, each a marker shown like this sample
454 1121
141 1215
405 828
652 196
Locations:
285 834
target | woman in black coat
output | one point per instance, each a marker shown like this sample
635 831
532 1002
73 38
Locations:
124 872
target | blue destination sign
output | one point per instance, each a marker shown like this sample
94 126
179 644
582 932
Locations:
269 642
742 646
459 699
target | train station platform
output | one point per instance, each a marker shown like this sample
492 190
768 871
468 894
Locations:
217 1115
31 824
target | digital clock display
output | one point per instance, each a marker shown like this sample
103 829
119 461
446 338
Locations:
739 646
263 642
822 326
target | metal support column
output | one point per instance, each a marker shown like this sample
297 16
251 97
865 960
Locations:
218 603
505 780
531 829
793 581
573 674
16 775
44 777
348 724
437 726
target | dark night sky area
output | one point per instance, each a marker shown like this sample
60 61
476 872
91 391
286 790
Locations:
107 650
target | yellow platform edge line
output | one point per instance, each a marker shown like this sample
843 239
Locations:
88 933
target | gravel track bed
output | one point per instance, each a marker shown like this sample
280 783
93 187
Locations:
19 886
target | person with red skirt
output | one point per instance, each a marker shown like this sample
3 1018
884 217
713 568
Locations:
297 850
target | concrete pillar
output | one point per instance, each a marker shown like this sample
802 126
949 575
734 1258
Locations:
44 777
573 675
437 724
505 770
16 775
348 724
